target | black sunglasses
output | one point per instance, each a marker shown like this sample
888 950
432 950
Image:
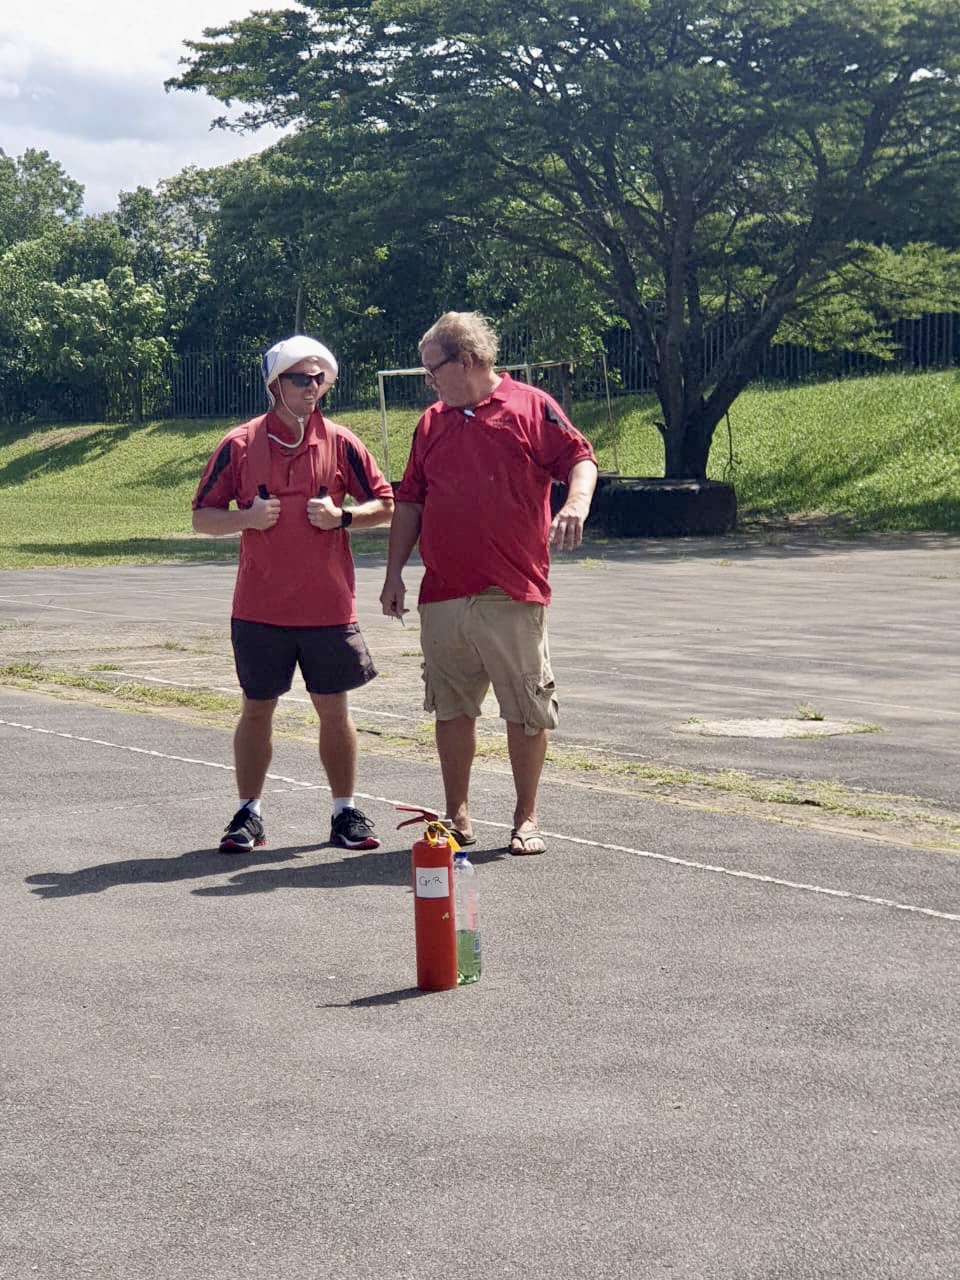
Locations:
305 379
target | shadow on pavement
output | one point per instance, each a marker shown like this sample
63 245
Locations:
370 868
188 866
373 1002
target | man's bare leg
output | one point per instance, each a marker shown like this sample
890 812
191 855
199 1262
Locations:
456 746
253 746
527 755
337 742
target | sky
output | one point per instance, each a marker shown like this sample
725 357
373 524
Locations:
83 80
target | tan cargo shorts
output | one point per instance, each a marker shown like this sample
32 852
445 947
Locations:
474 642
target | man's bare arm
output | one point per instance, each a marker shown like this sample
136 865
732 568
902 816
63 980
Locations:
566 529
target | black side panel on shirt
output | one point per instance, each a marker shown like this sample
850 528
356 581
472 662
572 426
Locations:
357 467
223 460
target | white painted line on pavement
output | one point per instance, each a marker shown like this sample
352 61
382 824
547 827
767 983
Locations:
145 751
98 613
756 876
687 863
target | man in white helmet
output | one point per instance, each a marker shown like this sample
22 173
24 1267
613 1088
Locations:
281 481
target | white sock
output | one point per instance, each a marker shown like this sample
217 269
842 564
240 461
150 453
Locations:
340 803
253 805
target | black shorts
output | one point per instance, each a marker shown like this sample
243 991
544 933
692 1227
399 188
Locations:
331 659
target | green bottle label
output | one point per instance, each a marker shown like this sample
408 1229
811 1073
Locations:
468 956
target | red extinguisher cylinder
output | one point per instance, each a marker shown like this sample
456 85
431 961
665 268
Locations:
435 925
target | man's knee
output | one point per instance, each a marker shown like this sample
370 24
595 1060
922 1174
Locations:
333 709
258 712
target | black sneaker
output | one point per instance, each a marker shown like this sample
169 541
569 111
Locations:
243 833
353 830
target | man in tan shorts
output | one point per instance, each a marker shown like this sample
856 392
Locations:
476 495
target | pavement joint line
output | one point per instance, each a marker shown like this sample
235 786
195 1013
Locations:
669 859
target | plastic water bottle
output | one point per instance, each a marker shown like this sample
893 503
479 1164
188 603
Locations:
466 900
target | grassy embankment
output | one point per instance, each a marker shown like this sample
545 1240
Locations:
880 453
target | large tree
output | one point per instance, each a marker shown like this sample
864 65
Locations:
702 161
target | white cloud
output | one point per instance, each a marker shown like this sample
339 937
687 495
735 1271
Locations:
87 86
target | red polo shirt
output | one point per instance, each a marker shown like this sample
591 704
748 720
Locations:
483 477
294 575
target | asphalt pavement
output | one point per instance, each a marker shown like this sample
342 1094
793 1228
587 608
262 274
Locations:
707 1043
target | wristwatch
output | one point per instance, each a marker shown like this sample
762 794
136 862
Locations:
346 519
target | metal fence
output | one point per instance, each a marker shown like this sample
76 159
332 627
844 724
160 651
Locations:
205 384
227 384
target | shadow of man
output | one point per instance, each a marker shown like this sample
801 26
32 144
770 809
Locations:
188 866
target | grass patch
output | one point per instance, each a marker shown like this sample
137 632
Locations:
882 451
831 799
806 712
30 674
879 453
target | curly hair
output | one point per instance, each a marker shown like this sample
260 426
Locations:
464 332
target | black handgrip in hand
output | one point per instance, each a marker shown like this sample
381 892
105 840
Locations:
322 491
263 492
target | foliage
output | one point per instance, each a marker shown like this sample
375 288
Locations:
73 319
76 325
39 206
101 333
550 303
23 268
36 196
861 299
167 234
694 161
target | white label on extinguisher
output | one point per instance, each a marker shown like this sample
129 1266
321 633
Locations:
433 882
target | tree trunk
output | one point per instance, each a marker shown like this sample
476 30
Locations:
686 447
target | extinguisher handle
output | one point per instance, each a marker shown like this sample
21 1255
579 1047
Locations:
423 815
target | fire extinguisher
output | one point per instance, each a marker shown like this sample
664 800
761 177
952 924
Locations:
436 930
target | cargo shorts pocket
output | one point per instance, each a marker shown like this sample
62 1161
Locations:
429 692
447 700
541 709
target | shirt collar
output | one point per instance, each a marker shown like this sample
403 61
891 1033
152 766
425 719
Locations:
277 427
500 392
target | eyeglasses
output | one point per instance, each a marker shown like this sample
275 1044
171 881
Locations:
430 373
305 379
